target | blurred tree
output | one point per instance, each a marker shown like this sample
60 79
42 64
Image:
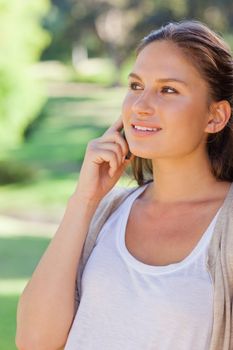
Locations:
114 27
21 42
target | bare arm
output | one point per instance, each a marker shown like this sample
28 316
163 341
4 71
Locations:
46 306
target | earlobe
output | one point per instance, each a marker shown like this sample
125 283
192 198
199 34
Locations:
220 115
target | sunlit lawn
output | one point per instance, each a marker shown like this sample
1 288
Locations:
18 258
30 212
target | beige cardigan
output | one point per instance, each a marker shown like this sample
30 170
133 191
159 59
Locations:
219 262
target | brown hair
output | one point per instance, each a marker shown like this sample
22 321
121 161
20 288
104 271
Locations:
211 55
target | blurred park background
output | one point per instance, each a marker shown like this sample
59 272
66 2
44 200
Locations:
63 76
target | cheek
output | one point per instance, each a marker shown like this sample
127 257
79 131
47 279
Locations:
185 125
185 115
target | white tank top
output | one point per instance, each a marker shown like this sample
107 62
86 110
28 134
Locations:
126 304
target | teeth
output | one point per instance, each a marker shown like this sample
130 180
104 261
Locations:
145 128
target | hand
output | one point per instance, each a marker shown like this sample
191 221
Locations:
103 164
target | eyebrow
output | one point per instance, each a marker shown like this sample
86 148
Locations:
134 75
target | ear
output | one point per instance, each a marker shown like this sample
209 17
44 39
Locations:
219 116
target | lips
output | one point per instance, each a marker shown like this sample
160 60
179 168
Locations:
143 125
138 132
142 128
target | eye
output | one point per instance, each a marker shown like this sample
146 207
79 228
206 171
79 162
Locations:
133 85
169 88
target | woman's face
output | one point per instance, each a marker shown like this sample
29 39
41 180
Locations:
179 108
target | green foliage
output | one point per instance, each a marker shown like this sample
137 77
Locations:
96 70
115 27
22 41
13 171
58 139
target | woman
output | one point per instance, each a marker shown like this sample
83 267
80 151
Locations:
158 274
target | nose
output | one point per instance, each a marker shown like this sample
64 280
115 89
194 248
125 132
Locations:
143 105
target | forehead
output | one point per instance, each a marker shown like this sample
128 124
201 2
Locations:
164 59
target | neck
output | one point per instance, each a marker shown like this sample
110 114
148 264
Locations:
181 180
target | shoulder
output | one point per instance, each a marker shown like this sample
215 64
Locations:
112 200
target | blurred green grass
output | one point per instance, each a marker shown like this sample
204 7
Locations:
18 259
56 141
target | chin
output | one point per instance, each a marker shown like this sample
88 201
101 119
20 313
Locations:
143 154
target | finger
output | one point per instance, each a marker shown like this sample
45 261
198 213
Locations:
116 126
109 157
115 147
116 137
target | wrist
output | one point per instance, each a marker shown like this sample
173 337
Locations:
83 199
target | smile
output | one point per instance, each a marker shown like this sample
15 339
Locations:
145 128
144 131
